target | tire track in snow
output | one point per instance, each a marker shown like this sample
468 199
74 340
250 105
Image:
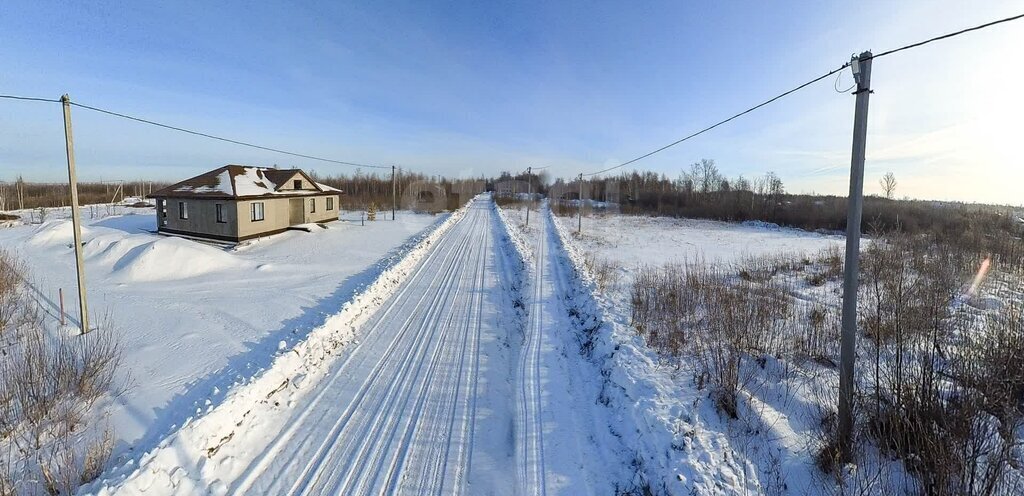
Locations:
529 411
453 386
261 464
407 424
383 404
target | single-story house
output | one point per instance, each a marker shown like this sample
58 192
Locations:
238 202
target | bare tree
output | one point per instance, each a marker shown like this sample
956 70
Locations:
705 175
888 182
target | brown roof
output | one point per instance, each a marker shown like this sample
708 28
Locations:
241 181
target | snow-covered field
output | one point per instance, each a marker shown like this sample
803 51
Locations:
769 450
632 241
195 318
684 443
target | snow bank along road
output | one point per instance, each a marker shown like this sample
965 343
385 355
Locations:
445 390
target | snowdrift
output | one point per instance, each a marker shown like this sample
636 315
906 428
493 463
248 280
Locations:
139 258
169 259
54 233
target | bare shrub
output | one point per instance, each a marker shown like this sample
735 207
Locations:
818 336
740 320
943 396
816 279
10 283
664 303
764 268
97 453
730 320
603 271
832 259
49 399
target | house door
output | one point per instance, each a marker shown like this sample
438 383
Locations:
296 212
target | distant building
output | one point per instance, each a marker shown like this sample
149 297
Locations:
237 202
511 188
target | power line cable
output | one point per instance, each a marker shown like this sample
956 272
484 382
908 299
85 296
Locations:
29 98
836 84
948 35
804 85
228 140
196 133
719 123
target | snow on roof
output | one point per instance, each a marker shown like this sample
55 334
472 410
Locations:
253 182
328 188
223 185
242 181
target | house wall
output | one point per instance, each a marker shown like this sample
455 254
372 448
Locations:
276 214
321 214
202 217
289 185
238 225
275 217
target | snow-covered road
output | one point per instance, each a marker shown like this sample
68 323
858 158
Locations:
466 380
414 407
563 444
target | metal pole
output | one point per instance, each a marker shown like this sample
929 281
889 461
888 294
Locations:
862 73
529 199
579 226
394 192
76 219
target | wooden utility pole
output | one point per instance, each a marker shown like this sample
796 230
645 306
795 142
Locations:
579 213
529 200
76 219
394 192
862 74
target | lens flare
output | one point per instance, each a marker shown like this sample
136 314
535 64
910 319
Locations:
980 276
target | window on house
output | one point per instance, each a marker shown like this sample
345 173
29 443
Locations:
182 210
297 184
330 203
220 213
312 204
256 208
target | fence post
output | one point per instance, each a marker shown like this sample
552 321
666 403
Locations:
60 296
862 74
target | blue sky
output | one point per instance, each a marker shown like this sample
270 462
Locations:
471 88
